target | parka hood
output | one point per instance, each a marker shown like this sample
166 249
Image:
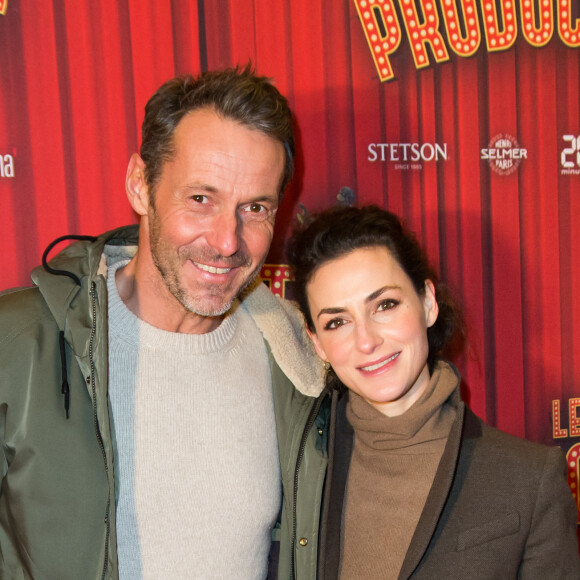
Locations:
85 261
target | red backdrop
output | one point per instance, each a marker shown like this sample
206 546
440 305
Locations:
75 76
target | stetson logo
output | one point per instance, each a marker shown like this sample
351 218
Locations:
3 6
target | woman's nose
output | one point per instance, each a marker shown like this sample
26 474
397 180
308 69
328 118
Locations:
367 336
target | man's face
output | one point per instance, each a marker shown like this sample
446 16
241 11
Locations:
212 215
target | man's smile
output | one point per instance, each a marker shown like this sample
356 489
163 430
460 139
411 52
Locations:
212 269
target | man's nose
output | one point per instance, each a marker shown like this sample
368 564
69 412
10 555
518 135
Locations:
224 236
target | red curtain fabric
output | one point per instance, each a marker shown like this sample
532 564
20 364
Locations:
75 76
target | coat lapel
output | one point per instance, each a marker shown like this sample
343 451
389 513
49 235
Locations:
436 499
339 454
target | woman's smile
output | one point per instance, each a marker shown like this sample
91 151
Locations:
381 365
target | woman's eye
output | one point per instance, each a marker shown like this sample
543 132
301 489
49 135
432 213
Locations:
387 304
334 323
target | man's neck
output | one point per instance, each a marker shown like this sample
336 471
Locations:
152 302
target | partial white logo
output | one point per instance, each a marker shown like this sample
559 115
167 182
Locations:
6 166
570 156
504 154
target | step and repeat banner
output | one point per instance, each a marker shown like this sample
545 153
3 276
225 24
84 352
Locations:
462 116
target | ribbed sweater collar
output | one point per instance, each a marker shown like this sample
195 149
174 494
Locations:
378 431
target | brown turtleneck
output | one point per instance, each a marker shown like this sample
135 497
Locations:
392 468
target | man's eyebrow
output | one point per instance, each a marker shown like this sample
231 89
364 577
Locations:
264 197
373 296
205 187
196 187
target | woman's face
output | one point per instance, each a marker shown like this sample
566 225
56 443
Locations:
371 325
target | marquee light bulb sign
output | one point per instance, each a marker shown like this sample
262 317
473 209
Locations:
456 25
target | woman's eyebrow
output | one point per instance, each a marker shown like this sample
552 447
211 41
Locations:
331 310
378 292
369 298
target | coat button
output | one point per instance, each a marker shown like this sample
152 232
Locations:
303 541
320 431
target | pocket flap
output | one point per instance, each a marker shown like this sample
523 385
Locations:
498 528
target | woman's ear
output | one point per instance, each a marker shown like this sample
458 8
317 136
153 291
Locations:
317 345
135 185
430 304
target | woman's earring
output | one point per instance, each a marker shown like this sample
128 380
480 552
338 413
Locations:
326 365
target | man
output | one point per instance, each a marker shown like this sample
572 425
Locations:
139 398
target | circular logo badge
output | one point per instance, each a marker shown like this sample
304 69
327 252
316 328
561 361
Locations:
504 154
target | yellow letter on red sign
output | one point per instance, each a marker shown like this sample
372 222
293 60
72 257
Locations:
557 431
573 405
424 31
383 32
496 39
569 33
462 44
275 276
573 472
537 35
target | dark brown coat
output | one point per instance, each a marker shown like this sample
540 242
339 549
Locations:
499 508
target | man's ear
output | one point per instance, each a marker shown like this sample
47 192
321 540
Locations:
430 304
316 343
135 185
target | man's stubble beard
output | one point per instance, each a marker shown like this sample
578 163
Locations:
170 267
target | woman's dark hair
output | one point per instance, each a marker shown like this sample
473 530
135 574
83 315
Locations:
341 230
234 93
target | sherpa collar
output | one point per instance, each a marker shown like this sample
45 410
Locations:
283 328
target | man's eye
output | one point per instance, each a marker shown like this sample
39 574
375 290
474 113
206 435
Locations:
255 208
198 198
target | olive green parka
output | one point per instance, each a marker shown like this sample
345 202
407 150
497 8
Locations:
57 494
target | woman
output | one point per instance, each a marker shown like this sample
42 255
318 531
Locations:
417 486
